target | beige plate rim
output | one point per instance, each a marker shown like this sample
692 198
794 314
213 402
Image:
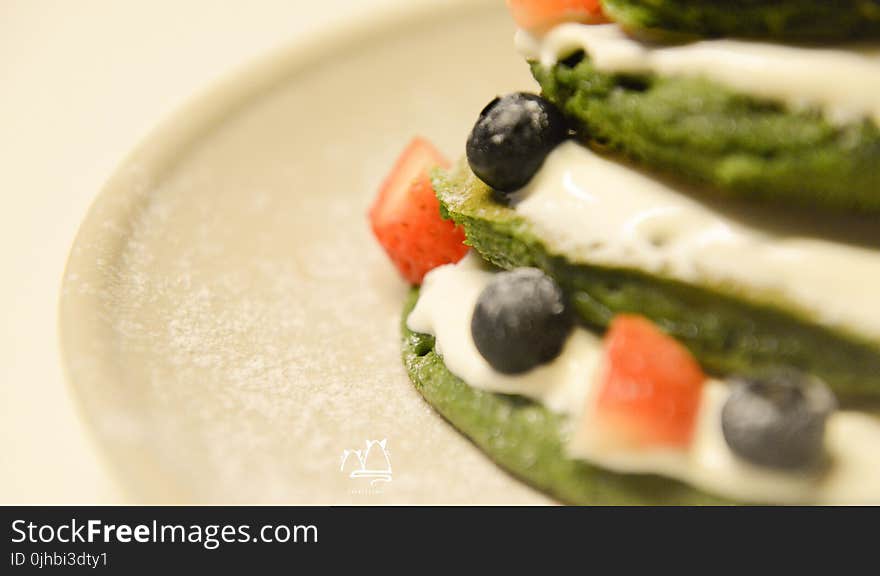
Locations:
180 129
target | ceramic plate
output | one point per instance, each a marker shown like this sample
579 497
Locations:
229 327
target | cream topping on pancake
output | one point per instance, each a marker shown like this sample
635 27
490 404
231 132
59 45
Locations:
843 81
567 384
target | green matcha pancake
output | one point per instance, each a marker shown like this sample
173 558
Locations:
697 112
527 439
627 417
728 330
811 20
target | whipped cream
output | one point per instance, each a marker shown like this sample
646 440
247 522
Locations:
843 81
597 211
567 386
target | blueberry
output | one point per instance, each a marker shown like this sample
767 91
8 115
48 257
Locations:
778 420
521 320
511 139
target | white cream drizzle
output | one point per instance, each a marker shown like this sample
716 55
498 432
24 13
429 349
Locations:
566 385
446 301
842 81
597 211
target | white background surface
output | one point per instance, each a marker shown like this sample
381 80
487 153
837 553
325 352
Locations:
82 82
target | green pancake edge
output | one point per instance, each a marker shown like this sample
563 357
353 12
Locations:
527 439
728 143
729 333
792 20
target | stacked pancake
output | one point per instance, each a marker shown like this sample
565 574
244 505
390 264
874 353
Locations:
726 190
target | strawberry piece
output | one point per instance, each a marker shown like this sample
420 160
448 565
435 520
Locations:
650 392
538 15
405 216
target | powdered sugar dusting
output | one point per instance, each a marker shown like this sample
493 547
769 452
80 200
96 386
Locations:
242 328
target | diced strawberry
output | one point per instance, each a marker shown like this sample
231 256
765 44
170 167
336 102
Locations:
538 15
405 216
650 391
